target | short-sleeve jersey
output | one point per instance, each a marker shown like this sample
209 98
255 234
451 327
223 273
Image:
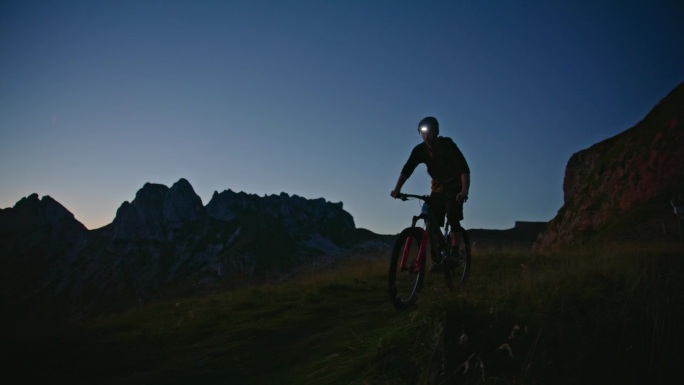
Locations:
445 163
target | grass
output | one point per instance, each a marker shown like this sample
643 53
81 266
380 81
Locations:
607 315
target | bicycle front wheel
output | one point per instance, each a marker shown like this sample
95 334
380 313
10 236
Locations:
407 268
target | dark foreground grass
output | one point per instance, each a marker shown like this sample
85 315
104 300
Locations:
602 316
269 334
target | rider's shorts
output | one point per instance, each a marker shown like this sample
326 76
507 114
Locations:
444 202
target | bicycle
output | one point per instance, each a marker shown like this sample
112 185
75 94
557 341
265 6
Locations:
407 263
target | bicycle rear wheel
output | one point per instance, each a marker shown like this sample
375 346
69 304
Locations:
457 273
405 283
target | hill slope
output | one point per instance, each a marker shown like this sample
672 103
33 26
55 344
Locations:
606 317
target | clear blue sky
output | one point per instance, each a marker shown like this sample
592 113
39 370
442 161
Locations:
321 98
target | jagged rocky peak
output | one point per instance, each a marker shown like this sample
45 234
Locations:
223 206
229 205
155 209
182 203
32 212
39 229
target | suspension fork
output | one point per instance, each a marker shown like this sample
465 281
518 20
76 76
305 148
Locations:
421 251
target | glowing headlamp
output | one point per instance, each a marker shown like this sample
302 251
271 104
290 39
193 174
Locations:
424 129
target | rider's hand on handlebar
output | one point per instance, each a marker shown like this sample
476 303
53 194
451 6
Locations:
462 197
394 193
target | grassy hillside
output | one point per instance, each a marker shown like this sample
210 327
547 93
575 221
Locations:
593 316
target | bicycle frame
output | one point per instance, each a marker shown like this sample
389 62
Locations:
408 259
425 237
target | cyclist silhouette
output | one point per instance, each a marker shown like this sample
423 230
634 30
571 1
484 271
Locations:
450 175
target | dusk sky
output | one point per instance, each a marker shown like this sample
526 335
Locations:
321 98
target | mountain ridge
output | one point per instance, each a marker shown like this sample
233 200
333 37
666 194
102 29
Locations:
165 242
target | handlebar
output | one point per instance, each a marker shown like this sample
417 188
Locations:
405 197
424 198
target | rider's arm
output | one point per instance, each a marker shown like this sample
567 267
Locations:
417 156
465 187
400 182
461 165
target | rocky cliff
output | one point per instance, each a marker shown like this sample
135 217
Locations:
164 243
621 188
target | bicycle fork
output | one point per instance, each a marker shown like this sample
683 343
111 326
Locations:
417 267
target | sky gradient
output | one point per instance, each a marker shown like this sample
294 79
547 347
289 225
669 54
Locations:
321 98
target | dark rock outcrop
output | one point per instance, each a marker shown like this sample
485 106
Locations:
164 243
38 238
156 210
621 187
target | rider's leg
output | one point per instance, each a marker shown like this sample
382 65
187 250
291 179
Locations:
455 215
436 241
438 211
456 239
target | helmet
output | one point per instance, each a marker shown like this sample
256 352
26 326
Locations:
429 124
